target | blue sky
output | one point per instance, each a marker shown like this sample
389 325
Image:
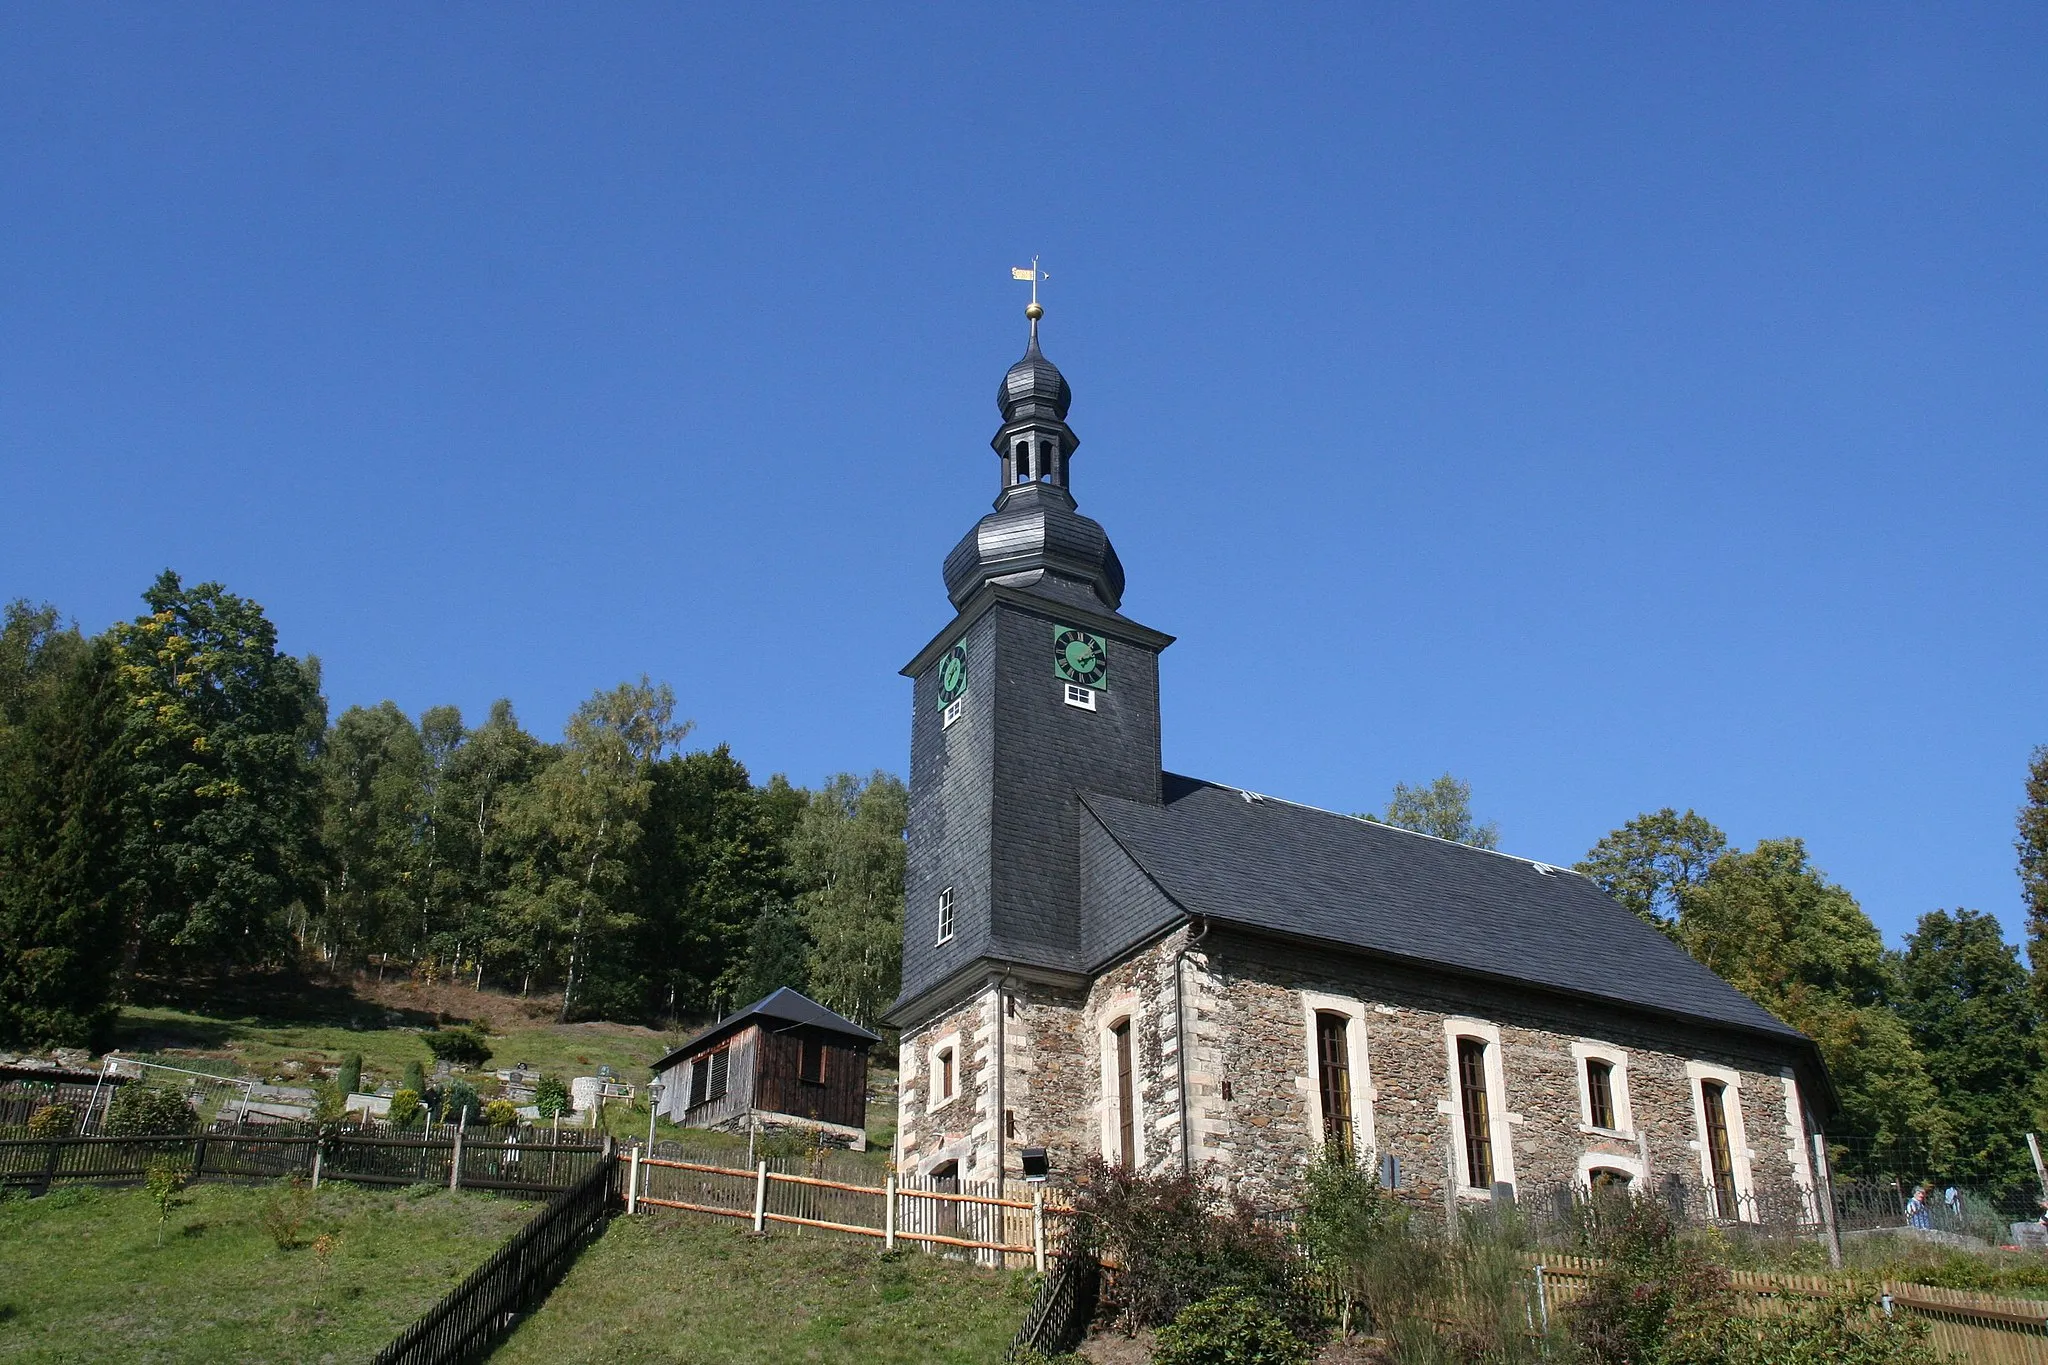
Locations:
1617 406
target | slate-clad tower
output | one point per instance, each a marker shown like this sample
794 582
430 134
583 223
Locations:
1038 690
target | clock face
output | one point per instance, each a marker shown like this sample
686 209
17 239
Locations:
952 675
1078 657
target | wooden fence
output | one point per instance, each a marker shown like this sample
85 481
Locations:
454 1161
1975 1327
983 1220
479 1312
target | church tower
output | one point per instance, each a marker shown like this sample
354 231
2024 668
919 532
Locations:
1039 689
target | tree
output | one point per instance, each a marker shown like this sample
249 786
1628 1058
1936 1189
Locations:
1800 946
1443 809
1653 860
62 834
220 734
484 774
1968 1003
370 779
848 858
579 818
2032 845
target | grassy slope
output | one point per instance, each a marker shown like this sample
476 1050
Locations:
698 1291
82 1277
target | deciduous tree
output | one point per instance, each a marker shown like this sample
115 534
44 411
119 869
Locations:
1653 860
1443 809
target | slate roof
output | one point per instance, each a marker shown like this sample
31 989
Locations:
1275 866
782 1005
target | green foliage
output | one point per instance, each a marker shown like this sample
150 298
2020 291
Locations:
501 1114
1844 1329
459 1102
415 1078
2032 847
1653 860
1229 1328
1443 809
372 772
219 735
551 1097
405 1110
330 1102
1177 1239
52 1121
147 1111
1652 1292
458 1046
1968 1003
62 830
164 1181
847 859
1355 1234
349 1079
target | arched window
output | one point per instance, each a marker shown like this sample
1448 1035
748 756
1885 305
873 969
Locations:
1022 456
1477 1113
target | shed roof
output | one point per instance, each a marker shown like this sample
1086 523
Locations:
782 1005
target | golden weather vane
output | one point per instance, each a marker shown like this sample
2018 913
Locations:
1034 274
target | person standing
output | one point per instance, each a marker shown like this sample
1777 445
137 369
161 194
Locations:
1916 1207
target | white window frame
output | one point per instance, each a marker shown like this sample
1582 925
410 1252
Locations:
1739 1154
933 1101
1079 697
1586 1050
955 709
1500 1119
1124 1008
1363 1093
945 916
1638 1174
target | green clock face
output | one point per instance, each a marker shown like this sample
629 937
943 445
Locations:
952 675
1078 657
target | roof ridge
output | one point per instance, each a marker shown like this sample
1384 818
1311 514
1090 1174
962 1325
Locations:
1251 795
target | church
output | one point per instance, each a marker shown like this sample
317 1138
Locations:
1102 958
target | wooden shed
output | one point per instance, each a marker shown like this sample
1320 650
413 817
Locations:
783 1061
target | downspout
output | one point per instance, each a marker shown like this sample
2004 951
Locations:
1180 1044
1002 1059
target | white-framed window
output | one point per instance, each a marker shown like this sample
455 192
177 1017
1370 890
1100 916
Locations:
1723 1141
942 1073
1082 697
946 915
1602 1172
955 709
1482 1150
1339 1081
1604 1105
1123 1106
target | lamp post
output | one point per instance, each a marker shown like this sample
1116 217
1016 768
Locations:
654 1090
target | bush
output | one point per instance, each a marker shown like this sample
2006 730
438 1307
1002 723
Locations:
350 1078
1228 1328
1357 1236
52 1121
1177 1239
1651 1291
1840 1330
163 1183
551 1096
460 1100
287 1210
458 1046
501 1114
415 1079
405 1109
148 1110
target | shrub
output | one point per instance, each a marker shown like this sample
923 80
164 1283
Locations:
1176 1240
458 1046
551 1096
52 1121
405 1109
458 1100
501 1114
1356 1235
1228 1328
287 1210
1652 1290
415 1078
147 1110
1840 1330
163 1182
350 1078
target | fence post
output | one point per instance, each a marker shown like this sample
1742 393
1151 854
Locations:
761 1197
198 1156
317 1145
1824 1179
1038 1228
889 1214
633 1184
455 1166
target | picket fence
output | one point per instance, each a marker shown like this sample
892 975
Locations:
1974 1327
983 1220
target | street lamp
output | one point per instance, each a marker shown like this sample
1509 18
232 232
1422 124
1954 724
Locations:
654 1089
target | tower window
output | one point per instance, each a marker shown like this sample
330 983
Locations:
944 1079
1126 1109
954 710
1045 459
1023 458
1083 697
946 915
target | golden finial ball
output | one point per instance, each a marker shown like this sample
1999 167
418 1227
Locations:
1033 311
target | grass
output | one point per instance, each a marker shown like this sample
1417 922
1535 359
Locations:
697 1291
83 1279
